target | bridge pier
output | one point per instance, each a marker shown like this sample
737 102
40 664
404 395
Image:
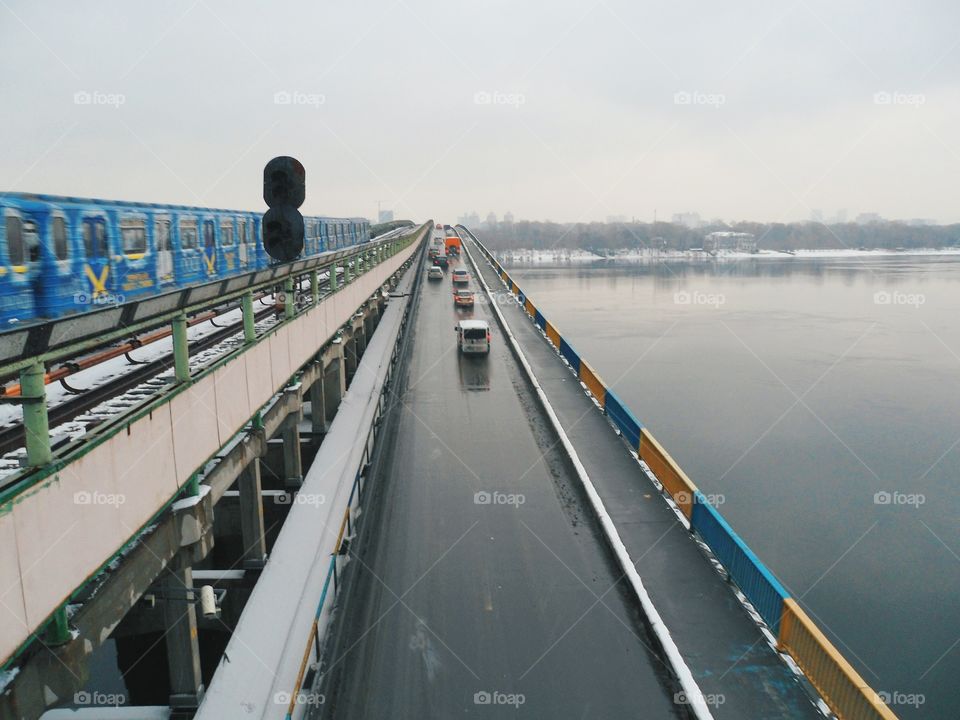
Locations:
292 460
180 636
251 517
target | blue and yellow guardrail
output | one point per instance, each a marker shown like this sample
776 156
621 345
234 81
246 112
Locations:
837 682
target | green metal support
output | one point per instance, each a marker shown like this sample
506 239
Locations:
193 485
333 278
181 349
315 287
249 328
35 421
257 422
58 631
288 306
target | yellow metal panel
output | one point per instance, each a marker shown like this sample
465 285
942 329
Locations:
847 694
531 310
553 335
593 382
514 288
676 482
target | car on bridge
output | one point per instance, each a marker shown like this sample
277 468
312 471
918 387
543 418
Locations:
463 298
435 273
460 277
473 337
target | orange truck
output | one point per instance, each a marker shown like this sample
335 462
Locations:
452 243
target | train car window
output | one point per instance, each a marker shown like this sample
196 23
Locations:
226 232
208 237
250 239
133 233
95 237
15 248
61 249
162 234
31 239
188 233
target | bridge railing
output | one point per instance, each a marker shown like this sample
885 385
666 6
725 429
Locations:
845 692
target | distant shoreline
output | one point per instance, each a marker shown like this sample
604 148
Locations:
585 256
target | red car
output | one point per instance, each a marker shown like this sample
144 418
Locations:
463 298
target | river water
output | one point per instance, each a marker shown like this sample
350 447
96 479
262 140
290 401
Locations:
819 400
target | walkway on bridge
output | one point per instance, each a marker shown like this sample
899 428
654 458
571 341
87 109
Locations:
482 579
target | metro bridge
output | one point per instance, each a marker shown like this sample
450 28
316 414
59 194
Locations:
325 510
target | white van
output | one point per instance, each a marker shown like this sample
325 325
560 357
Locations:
473 337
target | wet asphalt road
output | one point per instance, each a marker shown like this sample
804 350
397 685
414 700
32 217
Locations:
480 585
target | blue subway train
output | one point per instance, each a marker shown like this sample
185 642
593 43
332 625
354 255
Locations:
64 255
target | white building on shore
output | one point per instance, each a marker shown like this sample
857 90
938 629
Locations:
726 240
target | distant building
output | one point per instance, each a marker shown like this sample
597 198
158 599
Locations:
385 216
469 219
869 218
491 219
687 219
616 219
741 242
508 218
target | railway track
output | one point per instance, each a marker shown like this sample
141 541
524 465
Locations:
13 437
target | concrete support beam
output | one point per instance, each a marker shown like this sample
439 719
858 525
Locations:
334 382
183 650
292 463
318 424
251 517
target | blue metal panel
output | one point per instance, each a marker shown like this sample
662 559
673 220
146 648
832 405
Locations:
763 590
622 418
540 320
571 355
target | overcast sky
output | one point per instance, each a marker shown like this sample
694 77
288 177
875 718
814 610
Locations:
569 111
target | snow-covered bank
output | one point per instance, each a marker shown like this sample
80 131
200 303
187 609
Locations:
650 255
